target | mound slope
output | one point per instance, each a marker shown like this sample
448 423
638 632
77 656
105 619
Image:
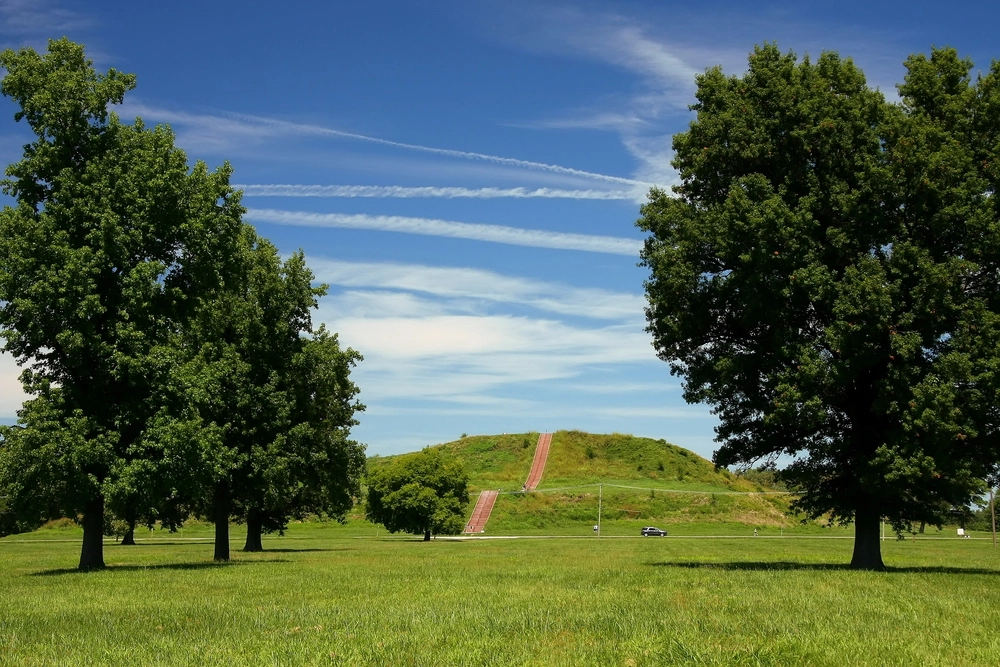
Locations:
639 481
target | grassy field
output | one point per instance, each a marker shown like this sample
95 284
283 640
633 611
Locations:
330 595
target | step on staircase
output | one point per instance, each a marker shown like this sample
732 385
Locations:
481 513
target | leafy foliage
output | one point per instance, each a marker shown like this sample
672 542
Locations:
826 278
111 243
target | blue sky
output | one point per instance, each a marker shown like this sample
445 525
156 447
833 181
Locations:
466 176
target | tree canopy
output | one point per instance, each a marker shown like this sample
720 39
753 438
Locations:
421 493
112 240
826 277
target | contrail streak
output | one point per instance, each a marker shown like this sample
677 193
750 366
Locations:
535 238
496 159
397 191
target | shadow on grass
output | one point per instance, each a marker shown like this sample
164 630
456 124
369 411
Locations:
210 565
298 551
790 566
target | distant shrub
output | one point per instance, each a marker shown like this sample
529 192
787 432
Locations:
589 452
659 466
765 477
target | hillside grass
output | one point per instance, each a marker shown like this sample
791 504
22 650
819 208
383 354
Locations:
577 458
626 511
334 595
588 458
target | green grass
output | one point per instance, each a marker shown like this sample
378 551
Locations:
588 458
577 458
334 595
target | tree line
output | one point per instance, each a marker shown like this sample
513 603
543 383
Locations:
168 350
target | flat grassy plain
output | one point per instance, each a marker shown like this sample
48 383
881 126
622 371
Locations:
332 595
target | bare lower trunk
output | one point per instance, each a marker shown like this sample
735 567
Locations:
128 539
92 552
254 530
221 512
922 524
427 536
867 545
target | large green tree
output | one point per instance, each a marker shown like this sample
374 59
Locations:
421 493
277 397
826 278
313 467
112 243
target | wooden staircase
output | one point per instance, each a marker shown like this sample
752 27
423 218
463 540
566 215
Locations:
538 464
481 513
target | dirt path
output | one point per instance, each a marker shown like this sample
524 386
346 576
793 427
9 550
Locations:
481 513
538 464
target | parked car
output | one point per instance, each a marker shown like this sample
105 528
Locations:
654 531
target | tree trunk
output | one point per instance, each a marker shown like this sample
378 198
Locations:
922 524
221 510
128 539
867 545
427 536
254 529
92 552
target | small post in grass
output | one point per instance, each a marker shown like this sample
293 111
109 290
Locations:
993 516
600 502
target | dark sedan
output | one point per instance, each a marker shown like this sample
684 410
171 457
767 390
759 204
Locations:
655 532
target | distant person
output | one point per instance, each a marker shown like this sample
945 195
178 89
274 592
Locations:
755 532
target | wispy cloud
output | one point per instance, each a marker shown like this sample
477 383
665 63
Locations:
616 40
478 285
453 357
31 18
535 238
666 71
450 334
397 191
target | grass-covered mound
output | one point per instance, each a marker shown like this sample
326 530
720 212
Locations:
645 481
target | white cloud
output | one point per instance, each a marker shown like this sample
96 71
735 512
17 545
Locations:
474 285
396 191
534 238
441 349
475 337
428 333
11 393
616 41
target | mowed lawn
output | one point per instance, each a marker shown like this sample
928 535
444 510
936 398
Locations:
334 596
